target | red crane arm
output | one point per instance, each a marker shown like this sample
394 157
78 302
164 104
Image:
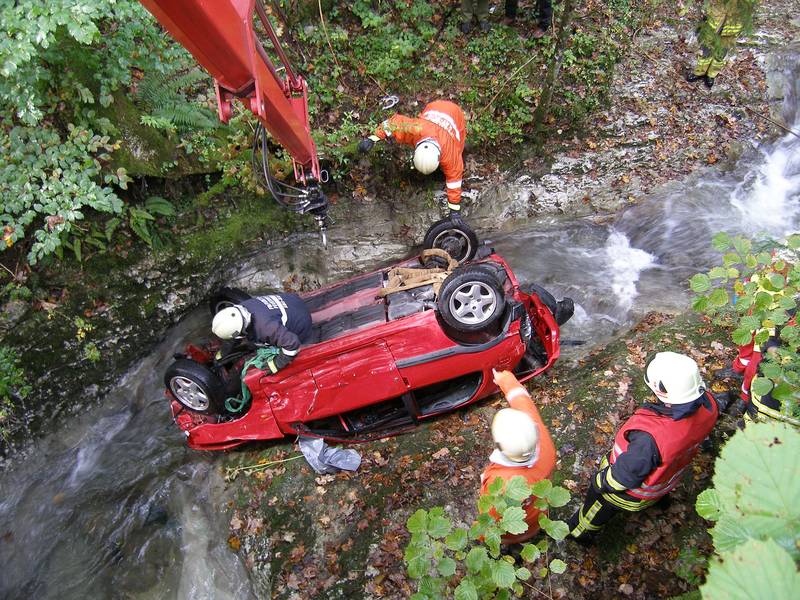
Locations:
221 37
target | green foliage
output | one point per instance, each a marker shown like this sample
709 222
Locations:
755 503
438 556
13 385
167 98
754 290
753 570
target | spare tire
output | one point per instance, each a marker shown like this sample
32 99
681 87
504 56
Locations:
225 297
457 239
471 299
195 386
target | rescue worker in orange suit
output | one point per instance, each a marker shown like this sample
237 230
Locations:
438 135
524 447
653 447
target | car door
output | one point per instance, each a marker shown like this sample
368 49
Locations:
357 378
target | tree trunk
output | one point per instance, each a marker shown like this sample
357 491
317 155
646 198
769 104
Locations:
553 69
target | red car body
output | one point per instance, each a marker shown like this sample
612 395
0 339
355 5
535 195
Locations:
380 367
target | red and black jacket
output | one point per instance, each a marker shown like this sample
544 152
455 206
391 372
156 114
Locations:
677 441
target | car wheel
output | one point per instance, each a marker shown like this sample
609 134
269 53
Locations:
195 387
225 297
457 239
471 299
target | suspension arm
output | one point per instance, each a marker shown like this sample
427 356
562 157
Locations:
220 34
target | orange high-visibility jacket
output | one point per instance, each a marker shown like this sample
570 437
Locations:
519 399
443 122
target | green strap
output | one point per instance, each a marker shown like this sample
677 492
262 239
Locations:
262 357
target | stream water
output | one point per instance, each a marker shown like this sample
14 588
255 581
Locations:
114 506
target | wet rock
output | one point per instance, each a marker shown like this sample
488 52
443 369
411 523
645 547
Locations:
11 313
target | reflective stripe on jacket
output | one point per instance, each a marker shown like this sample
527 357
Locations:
678 442
445 123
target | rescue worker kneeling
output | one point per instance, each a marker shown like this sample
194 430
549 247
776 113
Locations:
653 447
524 447
280 320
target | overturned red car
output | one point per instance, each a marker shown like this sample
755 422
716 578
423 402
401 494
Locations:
378 363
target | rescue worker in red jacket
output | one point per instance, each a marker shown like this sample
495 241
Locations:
438 135
524 447
653 447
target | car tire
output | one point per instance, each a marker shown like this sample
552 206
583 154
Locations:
471 299
225 297
457 239
195 386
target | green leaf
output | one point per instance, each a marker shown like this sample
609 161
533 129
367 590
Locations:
503 573
159 206
700 304
543 545
708 505
523 574
446 567
731 258
541 488
513 520
754 570
418 561
742 245
558 496
557 530
486 503
761 386
749 322
466 590
431 587
457 539
700 283
742 336
496 486
746 476
418 522
558 566
476 558
530 553
721 242
518 488
438 527
718 273
777 281
492 540
718 297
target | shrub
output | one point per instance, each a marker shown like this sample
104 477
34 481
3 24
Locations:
439 556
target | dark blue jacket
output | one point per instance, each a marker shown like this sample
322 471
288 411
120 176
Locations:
282 320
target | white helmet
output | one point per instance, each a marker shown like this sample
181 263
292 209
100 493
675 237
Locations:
230 322
426 156
674 378
515 434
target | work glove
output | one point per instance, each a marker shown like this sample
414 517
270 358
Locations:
455 217
366 144
278 362
505 380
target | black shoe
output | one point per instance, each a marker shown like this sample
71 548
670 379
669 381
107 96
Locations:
728 373
484 25
466 27
709 82
691 77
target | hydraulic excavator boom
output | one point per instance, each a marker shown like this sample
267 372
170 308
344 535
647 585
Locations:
221 35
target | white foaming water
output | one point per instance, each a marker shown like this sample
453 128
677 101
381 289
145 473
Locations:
99 437
624 266
769 202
